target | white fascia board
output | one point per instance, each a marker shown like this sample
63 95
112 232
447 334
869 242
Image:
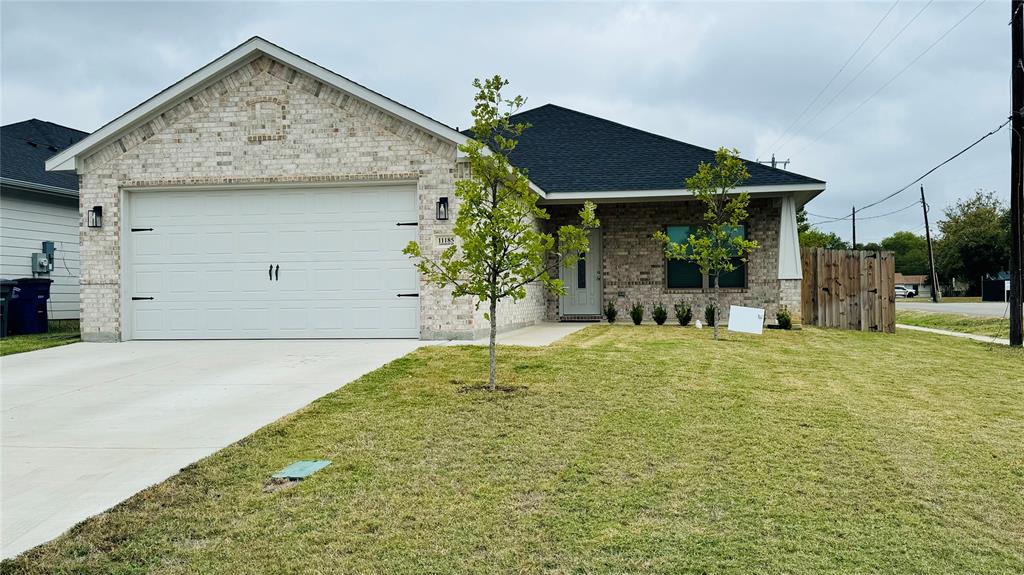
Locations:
242 54
810 190
41 188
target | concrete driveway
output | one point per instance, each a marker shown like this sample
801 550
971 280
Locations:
982 309
85 426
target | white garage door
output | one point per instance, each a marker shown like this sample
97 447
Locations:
304 263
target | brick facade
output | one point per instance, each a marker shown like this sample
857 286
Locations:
265 123
633 264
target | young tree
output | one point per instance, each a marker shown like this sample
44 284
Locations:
716 243
500 248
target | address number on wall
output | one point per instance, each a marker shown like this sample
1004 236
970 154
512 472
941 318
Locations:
445 240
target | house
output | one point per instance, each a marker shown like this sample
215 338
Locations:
264 196
38 206
915 282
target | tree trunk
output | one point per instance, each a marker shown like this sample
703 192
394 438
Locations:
492 383
718 310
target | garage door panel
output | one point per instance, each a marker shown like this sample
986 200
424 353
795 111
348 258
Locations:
208 261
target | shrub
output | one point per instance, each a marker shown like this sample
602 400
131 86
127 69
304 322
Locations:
784 319
683 313
610 312
637 313
659 313
709 314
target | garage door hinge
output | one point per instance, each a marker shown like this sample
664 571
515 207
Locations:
408 295
407 224
142 229
138 298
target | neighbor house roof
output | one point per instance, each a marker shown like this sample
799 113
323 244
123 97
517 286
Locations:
24 149
910 279
236 57
570 152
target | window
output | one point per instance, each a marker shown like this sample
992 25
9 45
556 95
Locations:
737 278
680 274
581 273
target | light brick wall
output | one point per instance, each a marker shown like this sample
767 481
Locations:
264 123
633 264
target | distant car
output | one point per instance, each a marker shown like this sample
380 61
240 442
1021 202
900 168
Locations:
904 291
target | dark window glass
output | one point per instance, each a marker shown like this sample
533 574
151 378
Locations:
681 274
737 278
581 273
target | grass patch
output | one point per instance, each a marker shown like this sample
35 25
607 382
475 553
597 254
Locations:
635 450
62 332
987 326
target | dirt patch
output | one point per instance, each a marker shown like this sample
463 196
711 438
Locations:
275 484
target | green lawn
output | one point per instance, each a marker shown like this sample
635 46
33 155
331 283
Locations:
987 326
626 450
61 333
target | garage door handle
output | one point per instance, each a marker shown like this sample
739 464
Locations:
140 298
270 273
277 272
407 224
408 295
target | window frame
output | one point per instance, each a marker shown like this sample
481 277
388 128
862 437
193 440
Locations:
706 282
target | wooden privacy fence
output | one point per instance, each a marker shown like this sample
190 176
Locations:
848 289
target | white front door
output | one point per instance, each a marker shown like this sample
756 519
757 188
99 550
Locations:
294 263
583 282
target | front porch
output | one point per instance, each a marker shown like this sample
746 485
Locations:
632 267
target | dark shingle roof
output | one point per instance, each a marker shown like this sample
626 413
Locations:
569 151
25 147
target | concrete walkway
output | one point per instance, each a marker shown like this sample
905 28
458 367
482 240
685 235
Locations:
981 338
538 335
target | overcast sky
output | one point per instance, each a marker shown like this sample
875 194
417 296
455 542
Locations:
712 74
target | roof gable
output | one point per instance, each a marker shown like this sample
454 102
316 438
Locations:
241 55
566 151
25 147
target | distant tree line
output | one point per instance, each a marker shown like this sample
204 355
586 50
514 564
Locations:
973 242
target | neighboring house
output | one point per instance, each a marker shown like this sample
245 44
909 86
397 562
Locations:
915 282
37 206
264 196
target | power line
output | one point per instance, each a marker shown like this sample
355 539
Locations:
830 219
861 71
944 162
834 76
893 79
886 214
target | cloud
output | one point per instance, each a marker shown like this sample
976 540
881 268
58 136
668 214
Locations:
712 74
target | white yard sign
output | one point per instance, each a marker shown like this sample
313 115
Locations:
746 319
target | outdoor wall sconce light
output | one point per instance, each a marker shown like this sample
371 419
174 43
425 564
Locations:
94 217
442 208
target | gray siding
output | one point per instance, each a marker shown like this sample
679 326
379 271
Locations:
26 219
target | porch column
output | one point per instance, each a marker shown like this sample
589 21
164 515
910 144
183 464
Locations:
790 274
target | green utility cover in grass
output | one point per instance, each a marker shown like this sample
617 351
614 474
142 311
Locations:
302 469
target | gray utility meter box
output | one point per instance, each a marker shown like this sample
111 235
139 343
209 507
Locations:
40 263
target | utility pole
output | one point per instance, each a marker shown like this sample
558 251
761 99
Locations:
1016 192
774 163
931 255
853 219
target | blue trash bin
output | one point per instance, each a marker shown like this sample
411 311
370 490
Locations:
27 306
